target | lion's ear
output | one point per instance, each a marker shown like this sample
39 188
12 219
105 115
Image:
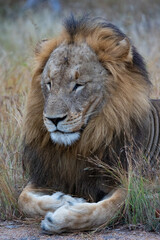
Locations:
40 46
125 50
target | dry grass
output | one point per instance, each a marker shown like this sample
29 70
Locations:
20 33
16 53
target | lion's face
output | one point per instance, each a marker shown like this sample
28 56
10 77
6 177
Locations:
73 85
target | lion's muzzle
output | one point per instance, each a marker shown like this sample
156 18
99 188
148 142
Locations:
64 130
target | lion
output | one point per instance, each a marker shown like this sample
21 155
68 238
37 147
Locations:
88 99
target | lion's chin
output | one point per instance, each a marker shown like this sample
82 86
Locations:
66 139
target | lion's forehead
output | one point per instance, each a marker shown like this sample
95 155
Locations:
74 53
70 57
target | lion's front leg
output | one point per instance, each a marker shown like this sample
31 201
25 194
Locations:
84 216
32 201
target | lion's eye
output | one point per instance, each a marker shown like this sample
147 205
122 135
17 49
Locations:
48 86
77 87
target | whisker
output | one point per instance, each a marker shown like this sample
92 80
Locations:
90 114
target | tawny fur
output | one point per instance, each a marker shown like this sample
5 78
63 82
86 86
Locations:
124 116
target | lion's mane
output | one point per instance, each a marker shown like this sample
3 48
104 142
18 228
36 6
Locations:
62 167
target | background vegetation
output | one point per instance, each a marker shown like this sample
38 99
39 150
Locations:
20 29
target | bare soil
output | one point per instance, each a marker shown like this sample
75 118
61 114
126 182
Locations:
22 231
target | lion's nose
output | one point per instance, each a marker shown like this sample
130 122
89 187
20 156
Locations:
57 120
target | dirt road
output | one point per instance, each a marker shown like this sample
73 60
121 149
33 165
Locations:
22 231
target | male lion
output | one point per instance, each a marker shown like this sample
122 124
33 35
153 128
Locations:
89 99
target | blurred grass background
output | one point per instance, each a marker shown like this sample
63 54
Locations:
21 27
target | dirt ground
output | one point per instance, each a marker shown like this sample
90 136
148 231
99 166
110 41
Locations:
22 231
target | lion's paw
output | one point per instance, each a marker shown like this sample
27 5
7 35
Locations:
53 224
61 199
69 217
58 221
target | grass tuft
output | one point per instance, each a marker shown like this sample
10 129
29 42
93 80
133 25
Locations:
8 194
143 203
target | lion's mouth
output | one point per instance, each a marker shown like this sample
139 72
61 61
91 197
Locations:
64 138
59 131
